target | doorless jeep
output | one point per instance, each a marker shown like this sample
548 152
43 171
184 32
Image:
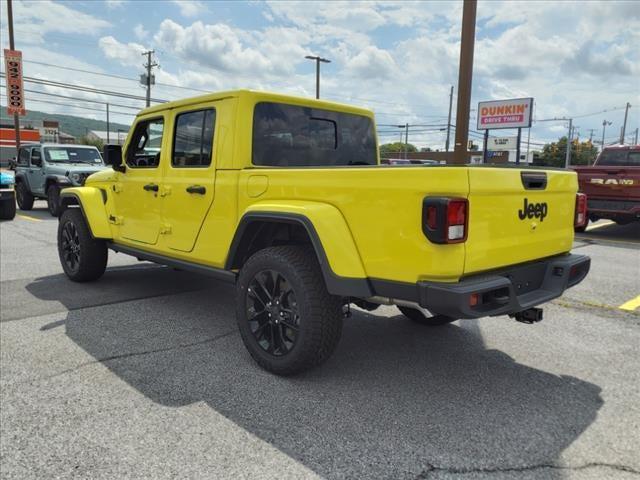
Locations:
285 197
42 171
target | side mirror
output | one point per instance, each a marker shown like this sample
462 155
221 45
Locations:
113 156
36 161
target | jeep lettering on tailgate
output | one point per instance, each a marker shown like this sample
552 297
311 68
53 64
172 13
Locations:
531 210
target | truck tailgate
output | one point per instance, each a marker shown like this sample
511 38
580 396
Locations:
514 218
621 182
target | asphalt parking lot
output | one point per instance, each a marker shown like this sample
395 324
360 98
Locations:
143 375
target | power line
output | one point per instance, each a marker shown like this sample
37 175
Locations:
81 88
79 99
79 107
110 75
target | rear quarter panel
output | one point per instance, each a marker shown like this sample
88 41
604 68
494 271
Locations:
382 210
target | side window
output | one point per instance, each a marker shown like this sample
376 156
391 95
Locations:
193 139
145 146
36 156
23 157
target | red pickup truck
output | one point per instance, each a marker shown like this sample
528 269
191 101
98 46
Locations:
612 184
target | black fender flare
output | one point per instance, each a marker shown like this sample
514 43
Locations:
336 285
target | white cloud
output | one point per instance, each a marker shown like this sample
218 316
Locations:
372 62
221 48
190 8
113 4
129 54
33 20
140 32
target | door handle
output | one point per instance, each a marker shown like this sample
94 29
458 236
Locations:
151 187
200 190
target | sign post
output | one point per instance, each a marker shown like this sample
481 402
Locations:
499 114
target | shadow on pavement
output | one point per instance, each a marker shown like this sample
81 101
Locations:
396 400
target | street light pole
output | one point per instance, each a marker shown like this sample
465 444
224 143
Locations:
317 60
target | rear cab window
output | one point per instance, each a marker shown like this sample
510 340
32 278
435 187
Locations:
619 158
301 136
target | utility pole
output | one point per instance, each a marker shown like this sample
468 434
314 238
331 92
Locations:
624 125
465 78
449 120
635 142
406 140
108 128
591 130
317 60
148 78
12 46
567 157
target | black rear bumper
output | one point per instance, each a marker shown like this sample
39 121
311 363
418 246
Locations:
501 292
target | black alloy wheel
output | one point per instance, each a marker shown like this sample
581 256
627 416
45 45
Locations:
71 249
24 197
287 319
272 312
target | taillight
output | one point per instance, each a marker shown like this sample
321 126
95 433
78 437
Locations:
445 220
580 219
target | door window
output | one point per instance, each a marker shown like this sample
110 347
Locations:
145 147
193 139
23 157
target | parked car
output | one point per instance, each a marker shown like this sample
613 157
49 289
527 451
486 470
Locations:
284 198
7 196
42 171
612 185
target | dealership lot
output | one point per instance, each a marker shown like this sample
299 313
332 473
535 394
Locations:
143 375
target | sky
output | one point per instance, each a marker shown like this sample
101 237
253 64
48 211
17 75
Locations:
576 59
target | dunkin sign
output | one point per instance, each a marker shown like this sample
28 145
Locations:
515 113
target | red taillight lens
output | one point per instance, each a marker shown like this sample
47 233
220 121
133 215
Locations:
445 219
432 217
580 219
456 220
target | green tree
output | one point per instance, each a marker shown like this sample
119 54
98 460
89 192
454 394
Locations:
96 142
553 154
390 149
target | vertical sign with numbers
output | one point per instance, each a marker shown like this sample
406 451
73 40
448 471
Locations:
15 85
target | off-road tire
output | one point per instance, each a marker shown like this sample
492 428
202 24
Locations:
92 254
53 200
8 209
23 196
418 317
320 314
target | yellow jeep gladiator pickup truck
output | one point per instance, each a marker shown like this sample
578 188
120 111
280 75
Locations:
285 197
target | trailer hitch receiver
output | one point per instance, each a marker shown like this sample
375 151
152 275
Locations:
530 315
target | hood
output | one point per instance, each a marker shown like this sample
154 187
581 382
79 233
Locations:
67 168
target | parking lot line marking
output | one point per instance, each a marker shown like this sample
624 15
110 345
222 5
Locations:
27 217
600 225
631 305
